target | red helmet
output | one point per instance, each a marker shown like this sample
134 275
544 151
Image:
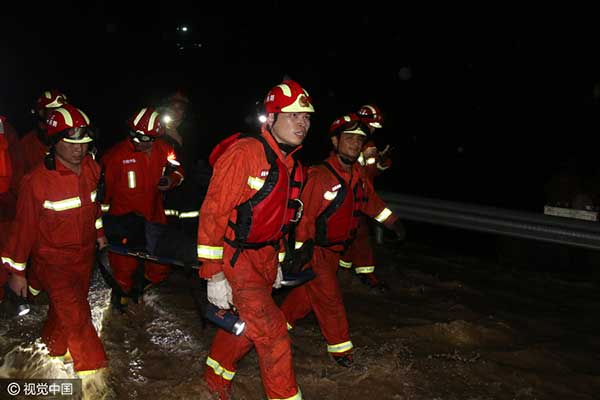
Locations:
51 99
146 122
350 123
178 96
68 123
371 115
288 96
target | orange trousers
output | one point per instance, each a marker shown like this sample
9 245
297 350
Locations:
322 295
251 280
68 325
124 269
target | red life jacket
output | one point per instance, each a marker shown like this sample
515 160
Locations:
337 224
275 205
5 165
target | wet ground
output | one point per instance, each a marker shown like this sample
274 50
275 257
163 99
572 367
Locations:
453 326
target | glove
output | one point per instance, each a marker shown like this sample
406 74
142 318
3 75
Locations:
104 260
164 183
278 278
219 292
398 228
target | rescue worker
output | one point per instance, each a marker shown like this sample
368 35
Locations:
35 144
336 192
11 172
243 219
360 255
182 203
57 226
134 181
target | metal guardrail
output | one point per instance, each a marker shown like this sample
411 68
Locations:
474 217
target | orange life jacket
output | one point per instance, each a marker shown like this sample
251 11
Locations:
337 224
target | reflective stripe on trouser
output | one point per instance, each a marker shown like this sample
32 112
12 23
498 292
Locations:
124 269
360 252
251 281
323 296
68 325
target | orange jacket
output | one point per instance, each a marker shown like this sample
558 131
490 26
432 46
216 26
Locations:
322 187
237 176
33 150
58 218
11 170
131 180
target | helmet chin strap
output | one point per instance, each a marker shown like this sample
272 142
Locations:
287 148
345 160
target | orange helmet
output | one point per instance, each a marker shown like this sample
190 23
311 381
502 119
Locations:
69 124
50 99
371 115
288 96
145 124
350 123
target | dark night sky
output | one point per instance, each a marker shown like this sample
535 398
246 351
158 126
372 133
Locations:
515 94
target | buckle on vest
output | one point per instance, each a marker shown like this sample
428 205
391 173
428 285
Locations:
299 210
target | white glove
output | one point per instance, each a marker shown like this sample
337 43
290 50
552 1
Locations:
218 291
278 278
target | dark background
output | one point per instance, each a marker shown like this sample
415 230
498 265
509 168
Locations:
482 106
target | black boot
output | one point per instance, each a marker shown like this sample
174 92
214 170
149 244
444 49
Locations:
118 302
345 360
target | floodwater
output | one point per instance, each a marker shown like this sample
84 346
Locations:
452 326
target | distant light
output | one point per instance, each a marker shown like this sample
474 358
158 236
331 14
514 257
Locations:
182 28
262 118
167 118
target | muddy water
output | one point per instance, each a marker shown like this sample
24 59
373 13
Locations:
451 327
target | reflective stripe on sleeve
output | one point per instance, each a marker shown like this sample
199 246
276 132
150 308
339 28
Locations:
219 370
210 252
189 214
383 215
13 264
99 224
345 264
281 256
105 207
340 348
62 205
93 196
365 270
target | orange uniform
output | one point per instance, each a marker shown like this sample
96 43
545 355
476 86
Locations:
11 172
332 234
360 254
239 174
131 186
33 150
56 226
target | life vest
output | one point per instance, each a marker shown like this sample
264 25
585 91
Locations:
5 165
275 205
338 223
